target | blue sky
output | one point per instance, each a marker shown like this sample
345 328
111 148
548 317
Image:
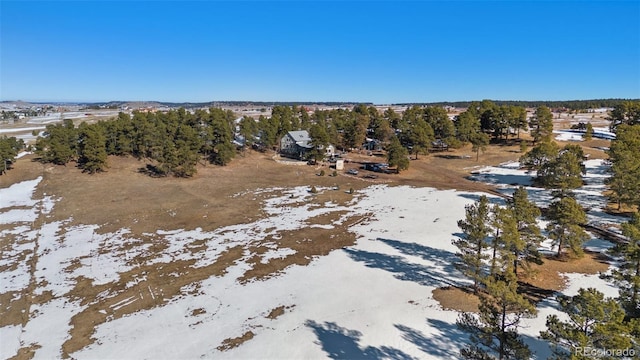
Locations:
381 52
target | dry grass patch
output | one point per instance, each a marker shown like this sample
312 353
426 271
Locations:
280 310
542 282
549 275
308 242
114 300
454 298
231 343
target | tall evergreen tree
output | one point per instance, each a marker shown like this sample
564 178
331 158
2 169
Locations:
93 151
319 141
467 126
594 323
224 150
9 148
58 144
526 214
626 276
566 217
479 143
439 121
472 245
506 244
588 133
541 124
625 165
397 155
625 113
564 173
541 155
421 135
249 130
494 332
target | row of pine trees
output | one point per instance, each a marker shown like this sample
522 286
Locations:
178 139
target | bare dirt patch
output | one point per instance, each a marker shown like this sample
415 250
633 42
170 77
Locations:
231 343
453 298
280 310
548 275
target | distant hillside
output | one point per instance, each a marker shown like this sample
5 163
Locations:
566 104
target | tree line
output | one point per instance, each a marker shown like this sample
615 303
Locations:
562 104
175 140
178 139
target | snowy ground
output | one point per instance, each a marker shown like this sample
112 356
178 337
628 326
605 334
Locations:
577 135
371 300
508 176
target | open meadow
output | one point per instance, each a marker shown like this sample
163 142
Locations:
244 261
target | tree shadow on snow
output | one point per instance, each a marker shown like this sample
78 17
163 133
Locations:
502 179
492 200
342 343
439 274
445 343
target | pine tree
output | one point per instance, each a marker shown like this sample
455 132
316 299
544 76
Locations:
472 245
397 155
541 125
627 112
93 151
588 134
58 144
421 135
438 119
566 217
248 130
319 141
526 214
507 244
563 173
626 276
594 322
467 125
540 155
494 332
9 148
625 165
479 141
222 137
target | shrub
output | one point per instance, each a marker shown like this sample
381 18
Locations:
321 172
313 190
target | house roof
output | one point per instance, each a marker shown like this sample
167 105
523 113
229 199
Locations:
301 137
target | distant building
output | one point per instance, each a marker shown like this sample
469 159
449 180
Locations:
297 144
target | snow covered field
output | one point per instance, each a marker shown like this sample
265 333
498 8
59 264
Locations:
576 135
371 300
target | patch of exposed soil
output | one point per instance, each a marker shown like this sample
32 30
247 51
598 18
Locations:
280 310
454 298
231 343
